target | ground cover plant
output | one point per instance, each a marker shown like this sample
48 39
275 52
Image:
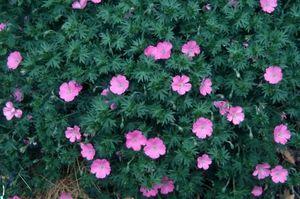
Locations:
152 98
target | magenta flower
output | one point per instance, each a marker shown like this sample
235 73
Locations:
191 49
166 186
223 106
273 74
65 195
161 51
135 140
279 174
14 59
9 111
204 161
154 148
181 84
2 26
268 5
205 87
257 191
73 134
149 192
18 95
100 167
69 90
150 51
281 134
81 4
15 197
262 171
203 128
105 92
87 151
235 115
119 84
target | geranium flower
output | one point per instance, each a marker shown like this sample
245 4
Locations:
281 134
135 140
204 161
203 128
235 115
2 26
96 1
101 168
69 90
161 51
205 87
262 171
18 95
149 192
14 59
119 84
257 191
273 74
154 148
223 106
268 5
73 134
166 186
87 151
191 49
65 195
105 92
9 111
279 174
81 4
181 84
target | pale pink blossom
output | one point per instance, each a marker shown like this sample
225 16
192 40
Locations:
279 174
223 106
65 195
2 26
161 51
273 74
135 140
119 84
80 4
281 134
69 90
96 1
18 95
191 49
203 128
149 192
235 115
257 191
150 51
166 186
154 148
9 111
204 161
105 92
268 5
87 151
14 59
101 168
73 134
205 87
181 84
262 171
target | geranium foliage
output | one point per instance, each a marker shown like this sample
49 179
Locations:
142 98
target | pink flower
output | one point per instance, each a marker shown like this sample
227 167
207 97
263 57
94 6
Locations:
119 84
105 92
223 106
181 84
257 191
87 151
205 87
65 195
101 168
73 134
203 128
161 51
113 106
235 115
14 59
273 74
15 197
166 186
154 148
96 1
281 134
81 4
191 49
150 51
9 111
279 174
268 5
262 171
149 192
69 90
135 140
18 95
2 26
203 162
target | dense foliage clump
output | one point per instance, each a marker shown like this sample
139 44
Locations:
141 98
